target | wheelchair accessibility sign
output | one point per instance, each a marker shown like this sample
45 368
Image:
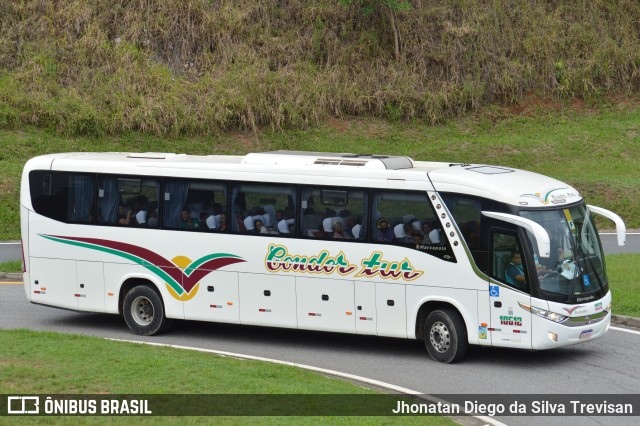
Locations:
494 291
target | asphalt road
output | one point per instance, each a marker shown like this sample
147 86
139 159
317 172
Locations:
10 250
607 366
610 243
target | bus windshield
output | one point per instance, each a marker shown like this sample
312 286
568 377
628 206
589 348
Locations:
575 268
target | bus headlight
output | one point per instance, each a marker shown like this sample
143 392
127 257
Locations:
551 316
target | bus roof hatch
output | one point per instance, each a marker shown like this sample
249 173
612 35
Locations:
309 159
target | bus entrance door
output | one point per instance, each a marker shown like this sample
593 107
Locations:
510 323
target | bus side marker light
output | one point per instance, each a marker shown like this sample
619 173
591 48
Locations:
484 324
109 294
349 313
553 336
230 303
314 314
216 306
366 319
264 310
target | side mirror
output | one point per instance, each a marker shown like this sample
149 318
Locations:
621 229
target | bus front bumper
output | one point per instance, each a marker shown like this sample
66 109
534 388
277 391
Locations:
549 334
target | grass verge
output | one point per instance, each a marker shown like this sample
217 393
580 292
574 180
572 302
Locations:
624 281
13 266
39 363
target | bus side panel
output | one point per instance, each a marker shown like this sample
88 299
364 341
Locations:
391 309
268 300
325 304
53 282
366 316
465 301
484 312
216 300
116 274
90 286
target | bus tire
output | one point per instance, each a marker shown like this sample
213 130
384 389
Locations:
445 336
143 311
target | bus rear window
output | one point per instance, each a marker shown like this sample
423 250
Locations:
66 197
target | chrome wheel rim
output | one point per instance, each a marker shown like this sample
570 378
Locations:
440 337
142 310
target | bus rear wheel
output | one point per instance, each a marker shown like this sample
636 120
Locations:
143 311
445 336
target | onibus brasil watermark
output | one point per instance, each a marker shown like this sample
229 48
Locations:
49 405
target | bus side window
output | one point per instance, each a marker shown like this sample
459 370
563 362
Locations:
63 196
195 205
333 213
263 209
405 218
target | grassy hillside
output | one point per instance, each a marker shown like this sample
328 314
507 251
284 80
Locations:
550 86
205 66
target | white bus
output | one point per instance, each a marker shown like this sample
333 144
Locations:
454 254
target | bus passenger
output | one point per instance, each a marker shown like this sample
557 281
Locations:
186 221
259 227
338 232
123 218
412 236
222 226
431 233
385 233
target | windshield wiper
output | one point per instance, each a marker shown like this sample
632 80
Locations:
588 259
579 254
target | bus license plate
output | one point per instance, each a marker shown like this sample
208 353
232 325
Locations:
586 334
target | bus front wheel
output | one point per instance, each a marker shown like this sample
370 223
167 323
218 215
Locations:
143 311
445 336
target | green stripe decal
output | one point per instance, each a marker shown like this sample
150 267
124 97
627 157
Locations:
151 267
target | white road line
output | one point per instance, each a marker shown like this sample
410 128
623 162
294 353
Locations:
625 330
400 389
